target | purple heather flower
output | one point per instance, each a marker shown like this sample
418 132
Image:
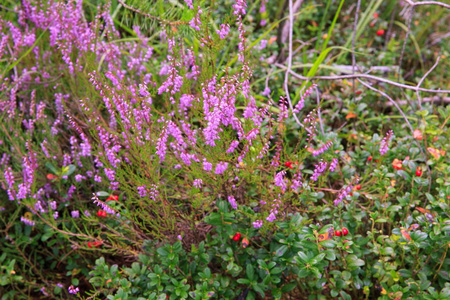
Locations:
75 214
333 164
180 237
239 7
233 146
86 213
384 146
258 224
195 22
79 177
55 215
60 285
271 217
73 290
301 102
189 4
280 181
224 30
27 221
322 149
266 92
142 190
296 181
198 183
263 44
52 205
319 169
344 192
221 167
154 192
232 202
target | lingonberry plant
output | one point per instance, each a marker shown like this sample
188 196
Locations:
154 151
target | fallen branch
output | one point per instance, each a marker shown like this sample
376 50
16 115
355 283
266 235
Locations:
366 76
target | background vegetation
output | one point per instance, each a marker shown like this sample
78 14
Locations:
224 149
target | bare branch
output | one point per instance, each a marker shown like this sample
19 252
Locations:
410 2
423 78
405 86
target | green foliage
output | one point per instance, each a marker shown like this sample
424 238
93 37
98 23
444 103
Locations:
181 242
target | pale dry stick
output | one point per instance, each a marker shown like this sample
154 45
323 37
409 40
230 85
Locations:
423 78
358 76
286 76
303 44
355 26
407 122
443 100
410 2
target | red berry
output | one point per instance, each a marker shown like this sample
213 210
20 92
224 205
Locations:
101 213
113 198
375 15
89 245
337 233
351 194
358 187
344 231
98 244
418 173
380 32
289 165
237 237
369 158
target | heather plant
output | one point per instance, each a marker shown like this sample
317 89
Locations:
164 156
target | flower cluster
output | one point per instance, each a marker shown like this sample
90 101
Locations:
322 149
73 290
232 202
257 224
384 146
345 191
333 164
27 221
318 170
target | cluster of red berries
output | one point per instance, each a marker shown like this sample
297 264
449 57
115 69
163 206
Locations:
102 213
95 244
370 158
244 242
344 232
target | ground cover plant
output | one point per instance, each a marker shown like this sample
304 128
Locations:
224 149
